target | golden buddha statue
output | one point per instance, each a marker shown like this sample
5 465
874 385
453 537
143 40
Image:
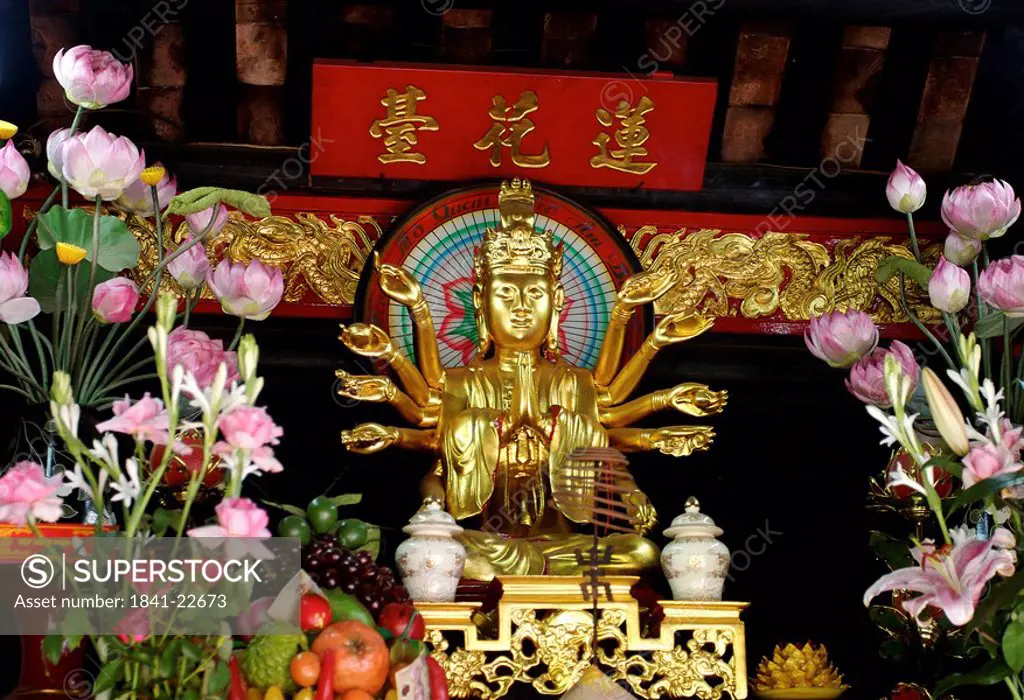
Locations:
503 425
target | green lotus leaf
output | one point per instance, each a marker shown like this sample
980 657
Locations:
44 276
118 248
200 198
5 215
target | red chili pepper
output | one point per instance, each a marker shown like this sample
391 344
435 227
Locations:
237 689
325 686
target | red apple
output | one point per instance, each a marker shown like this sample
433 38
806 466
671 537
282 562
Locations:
315 612
394 617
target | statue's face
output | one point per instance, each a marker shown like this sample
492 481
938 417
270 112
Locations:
518 306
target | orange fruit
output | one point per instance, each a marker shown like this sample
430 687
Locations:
305 669
355 694
360 659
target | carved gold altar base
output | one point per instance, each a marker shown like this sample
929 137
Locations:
544 634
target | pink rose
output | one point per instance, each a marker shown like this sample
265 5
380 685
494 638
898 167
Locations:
236 517
114 301
867 377
27 494
248 428
197 353
145 419
985 461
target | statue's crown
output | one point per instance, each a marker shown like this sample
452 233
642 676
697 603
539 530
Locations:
516 244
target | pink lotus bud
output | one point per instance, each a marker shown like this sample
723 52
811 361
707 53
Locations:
1001 285
841 338
949 287
190 268
100 164
981 211
114 301
250 291
198 222
14 171
867 377
55 152
15 307
138 196
905 190
959 250
90 78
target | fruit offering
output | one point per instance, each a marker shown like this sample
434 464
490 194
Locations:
797 667
269 656
358 654
334 567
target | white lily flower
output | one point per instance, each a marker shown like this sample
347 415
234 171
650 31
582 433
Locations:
105 452
75 480
899 477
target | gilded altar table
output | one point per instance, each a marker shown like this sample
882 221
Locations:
543 636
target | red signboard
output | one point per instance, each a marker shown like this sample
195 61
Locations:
583 129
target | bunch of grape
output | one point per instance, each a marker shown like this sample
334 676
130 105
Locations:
332 566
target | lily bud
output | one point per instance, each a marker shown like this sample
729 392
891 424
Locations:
166 311
60 390
945 412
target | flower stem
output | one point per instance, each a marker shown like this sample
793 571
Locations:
1005 376
63 180
35 223
921 327
238 333
913 237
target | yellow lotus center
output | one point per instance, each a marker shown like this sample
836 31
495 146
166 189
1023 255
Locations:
7 130
70 254
153 175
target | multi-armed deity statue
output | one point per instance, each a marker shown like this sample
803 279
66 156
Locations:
502 426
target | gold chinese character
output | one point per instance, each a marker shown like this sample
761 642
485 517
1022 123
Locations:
509 128
400 125
630 136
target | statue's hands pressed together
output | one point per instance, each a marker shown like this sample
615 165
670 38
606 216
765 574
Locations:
369 438
678 327
366 340
645 287
696 399
397 283
525 407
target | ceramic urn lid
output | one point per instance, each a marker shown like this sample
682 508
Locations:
693 523
431 519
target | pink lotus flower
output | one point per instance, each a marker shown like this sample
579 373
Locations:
951 578
197 353
959 250
981 211
14 171
55 152
1001 285
190 268
236 517
145 419
114 301
100 164
867 377
90 78
198 222
248 428
905 190
138 196
27 494
250 291
985 461
15 307
839 338
949 288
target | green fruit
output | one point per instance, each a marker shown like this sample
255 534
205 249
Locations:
352 533
322 514
295 526
347 607
269 656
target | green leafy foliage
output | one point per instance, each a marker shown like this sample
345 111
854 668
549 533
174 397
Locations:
164 520
108 675
6 218
346 499
53 648
910 268
891 550
372 545
44 278
1013 646
983 489
118 248
194 201
991 673
218 678
993 325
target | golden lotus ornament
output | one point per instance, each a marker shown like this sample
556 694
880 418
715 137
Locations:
501 427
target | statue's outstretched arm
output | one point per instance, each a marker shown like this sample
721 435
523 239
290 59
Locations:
372 342
382 390
400 286
673 328
369 438
691 398
639 289
677 440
